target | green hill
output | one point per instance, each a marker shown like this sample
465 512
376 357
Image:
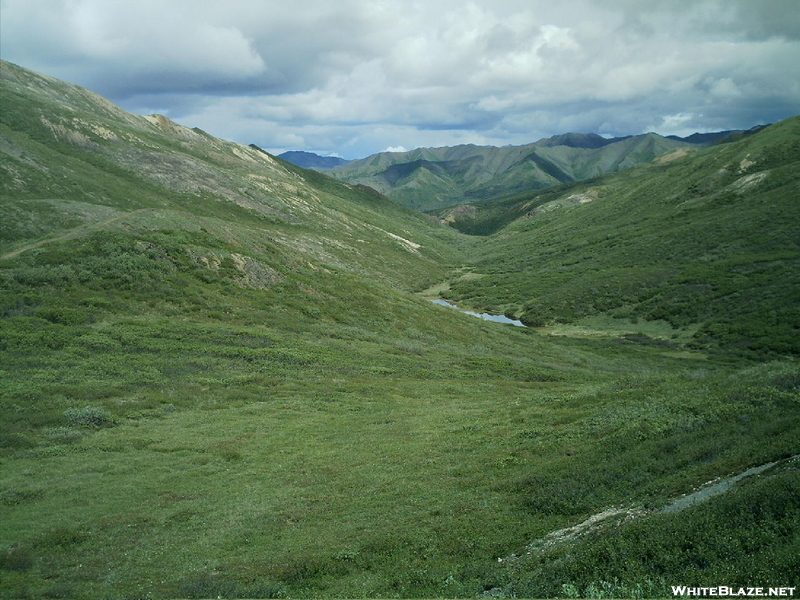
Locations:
217 380
705 242
432 178
74 160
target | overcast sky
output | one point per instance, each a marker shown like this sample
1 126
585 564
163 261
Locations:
355 77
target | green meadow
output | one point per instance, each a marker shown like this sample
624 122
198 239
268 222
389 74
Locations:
220 377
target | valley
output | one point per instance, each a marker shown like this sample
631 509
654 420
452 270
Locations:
220 375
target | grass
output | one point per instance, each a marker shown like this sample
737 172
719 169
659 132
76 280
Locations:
635 560
234 391
702 243
376 446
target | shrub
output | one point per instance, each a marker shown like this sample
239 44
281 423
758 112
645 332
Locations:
89 416
64 316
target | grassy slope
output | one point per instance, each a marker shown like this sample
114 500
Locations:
708 241
226 393
73 161
490 216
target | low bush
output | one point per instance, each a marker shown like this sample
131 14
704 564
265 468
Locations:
88 416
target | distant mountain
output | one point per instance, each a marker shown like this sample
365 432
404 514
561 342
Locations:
309 160
703 138
717 137
431 178
579 140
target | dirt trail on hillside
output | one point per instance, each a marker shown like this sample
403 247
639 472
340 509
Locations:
71 234
714 488
620 515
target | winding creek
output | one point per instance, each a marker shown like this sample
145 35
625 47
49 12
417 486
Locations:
480 315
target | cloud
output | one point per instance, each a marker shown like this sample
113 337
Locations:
681 124
356 77
143 39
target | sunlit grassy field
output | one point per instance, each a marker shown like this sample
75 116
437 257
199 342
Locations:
226 442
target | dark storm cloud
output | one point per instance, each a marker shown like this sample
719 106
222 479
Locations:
357 76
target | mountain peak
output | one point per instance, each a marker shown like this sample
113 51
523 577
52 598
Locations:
310 160
578 140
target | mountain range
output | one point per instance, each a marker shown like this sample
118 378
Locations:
221 374
433 178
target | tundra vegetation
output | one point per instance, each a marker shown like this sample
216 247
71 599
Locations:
219 376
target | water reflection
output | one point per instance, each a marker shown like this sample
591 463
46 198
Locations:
484 316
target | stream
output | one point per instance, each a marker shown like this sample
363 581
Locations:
480 315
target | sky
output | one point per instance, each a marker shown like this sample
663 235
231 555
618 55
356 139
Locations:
354 77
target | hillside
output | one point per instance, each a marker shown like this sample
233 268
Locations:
73 160
218 379
432 178
705 242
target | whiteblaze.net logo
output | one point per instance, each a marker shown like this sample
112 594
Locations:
724 591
